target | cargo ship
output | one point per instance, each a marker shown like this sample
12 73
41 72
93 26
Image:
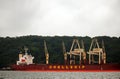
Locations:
96 59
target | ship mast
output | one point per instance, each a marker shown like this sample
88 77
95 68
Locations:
26 49
46 52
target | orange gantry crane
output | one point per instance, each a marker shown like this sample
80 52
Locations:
76 50
96 50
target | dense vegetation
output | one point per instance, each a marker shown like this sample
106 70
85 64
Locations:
10 47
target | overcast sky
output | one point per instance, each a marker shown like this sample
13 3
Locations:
60 17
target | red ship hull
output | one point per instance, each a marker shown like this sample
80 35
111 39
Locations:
44 67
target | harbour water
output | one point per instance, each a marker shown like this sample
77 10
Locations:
58 75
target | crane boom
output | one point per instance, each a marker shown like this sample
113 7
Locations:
46 52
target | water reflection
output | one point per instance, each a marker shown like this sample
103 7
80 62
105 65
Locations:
58 75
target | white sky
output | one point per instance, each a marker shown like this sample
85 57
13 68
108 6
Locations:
60 17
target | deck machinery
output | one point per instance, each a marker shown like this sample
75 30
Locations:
77 50
46 52
96 50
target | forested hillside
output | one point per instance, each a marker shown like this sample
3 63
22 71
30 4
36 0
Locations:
11 46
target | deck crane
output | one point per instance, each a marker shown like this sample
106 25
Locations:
64 53
96 50
46 52
76 50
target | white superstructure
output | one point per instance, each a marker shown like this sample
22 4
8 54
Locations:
25 59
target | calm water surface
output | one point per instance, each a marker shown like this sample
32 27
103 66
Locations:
58 75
